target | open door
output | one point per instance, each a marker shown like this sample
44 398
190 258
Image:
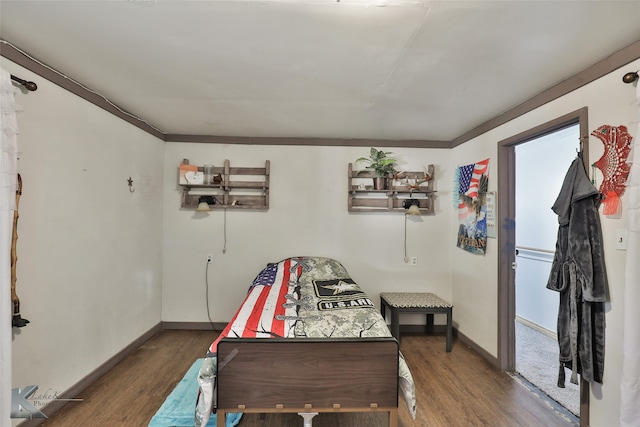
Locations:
508 239
539 179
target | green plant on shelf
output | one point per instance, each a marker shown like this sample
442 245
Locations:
381 162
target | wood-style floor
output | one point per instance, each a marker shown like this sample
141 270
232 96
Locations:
456 389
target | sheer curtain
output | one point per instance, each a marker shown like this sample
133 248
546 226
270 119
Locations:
8 182
630 378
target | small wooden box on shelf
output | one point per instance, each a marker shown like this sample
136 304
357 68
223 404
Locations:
363 197
228 191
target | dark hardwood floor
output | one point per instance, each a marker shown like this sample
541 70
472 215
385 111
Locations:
456 389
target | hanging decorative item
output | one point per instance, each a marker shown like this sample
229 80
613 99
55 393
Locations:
472 184
17 321
614 166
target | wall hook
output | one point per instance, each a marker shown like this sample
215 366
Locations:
130 183
631 77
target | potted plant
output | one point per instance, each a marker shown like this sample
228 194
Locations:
382 164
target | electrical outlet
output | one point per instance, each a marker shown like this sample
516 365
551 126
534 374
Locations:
414 261
209 258
621 239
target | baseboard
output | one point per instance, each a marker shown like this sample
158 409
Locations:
75 390
194 326
537 327
475 347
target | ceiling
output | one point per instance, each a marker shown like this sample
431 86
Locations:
361 69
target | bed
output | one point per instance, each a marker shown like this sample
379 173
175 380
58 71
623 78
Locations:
306 339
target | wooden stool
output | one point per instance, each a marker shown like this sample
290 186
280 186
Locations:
416 302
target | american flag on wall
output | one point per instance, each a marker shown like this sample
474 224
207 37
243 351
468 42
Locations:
472 182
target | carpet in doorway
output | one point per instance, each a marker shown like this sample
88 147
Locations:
537 361
179 407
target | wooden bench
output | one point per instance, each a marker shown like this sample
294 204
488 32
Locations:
416 302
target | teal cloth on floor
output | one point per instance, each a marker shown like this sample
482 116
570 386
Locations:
179 407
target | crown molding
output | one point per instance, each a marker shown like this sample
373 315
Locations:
594 72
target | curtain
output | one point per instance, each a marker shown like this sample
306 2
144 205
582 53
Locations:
8 182
630 378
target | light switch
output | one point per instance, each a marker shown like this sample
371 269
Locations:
621 239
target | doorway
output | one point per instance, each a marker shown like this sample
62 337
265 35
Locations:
539 178
507 238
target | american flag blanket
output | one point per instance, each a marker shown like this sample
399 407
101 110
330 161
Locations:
300 297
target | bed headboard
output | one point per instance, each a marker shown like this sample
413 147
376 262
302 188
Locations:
269 373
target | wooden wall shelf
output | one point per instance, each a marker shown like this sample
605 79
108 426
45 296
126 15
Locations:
239 188
364 198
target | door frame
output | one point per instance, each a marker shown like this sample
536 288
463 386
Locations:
507 237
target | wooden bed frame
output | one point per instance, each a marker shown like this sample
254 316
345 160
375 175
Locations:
307 376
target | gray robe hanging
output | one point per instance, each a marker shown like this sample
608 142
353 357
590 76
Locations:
578 272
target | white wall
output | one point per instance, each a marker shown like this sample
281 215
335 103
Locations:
475 278
539 178
541 166
307 216
534 302
89 252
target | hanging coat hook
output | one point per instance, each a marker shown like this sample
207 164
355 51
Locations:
130 183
